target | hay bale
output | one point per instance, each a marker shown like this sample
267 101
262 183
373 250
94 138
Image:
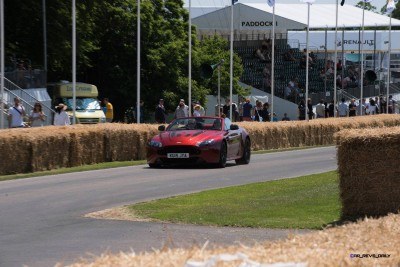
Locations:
369 171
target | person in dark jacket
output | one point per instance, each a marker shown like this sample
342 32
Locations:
160 114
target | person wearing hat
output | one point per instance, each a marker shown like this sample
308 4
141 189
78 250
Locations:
196 111
182 110
160 113
16 114
61 117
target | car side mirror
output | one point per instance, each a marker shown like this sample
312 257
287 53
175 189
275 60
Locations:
234 127
161 128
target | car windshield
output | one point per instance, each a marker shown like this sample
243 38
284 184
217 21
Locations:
82 103
198 123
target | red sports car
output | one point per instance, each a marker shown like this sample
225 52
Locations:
199 140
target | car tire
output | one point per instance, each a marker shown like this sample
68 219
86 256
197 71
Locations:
245 159
223 153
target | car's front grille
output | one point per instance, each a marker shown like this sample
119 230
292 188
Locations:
192 150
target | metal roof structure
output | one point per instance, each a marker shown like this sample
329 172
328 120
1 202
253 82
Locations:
290 17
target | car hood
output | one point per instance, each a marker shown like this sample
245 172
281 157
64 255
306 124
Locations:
188 137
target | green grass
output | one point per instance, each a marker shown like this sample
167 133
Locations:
99 166
304 202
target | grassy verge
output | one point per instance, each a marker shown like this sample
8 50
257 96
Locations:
99 166
304 202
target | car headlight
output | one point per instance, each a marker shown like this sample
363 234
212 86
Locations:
153 143
206 143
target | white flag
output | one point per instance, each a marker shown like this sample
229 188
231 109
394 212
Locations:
271 3
307 1
390 6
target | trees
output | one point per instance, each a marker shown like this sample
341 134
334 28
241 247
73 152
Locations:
368 6
106 48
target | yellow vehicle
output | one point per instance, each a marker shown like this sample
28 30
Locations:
88 110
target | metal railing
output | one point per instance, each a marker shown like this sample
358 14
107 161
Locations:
14 90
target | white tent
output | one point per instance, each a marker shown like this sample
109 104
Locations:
258 17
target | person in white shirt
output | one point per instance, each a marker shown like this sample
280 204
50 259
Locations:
343 108
37 117
16 114
320 109
61 117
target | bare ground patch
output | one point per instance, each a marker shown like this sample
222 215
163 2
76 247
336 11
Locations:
119 214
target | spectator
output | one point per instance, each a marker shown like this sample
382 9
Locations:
275 117
257 111
289 55
326 109
182 110
310 109
343 108
331 109
382 104
266 116
141 107
247 107
320 109
302 110
16 114
37 117
392 105
352 108
285 117
160 113
196 111
339 65
61 117
109 110
201 108
372 107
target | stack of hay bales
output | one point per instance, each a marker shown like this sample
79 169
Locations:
369 169
287 134
45 148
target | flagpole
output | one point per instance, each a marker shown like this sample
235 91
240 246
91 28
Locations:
73 62
138 51
335 72
231 66
2 63
388 69
362 59
273 64
190 58
307 58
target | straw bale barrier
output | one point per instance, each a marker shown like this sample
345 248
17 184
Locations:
288 134
46 148
369 171
375 239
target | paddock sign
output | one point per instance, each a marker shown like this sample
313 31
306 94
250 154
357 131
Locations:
257 24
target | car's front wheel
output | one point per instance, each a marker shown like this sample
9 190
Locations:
245 159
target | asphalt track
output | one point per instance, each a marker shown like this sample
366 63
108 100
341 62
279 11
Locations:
41 219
